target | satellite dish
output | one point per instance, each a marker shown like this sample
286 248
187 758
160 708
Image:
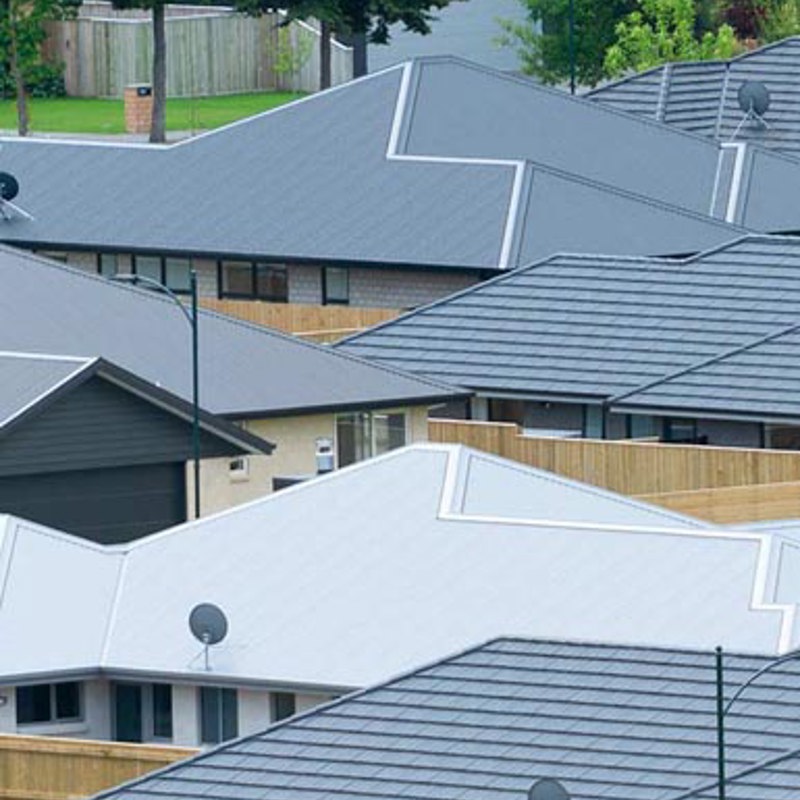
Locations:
9 186
753 98
547 789
208 623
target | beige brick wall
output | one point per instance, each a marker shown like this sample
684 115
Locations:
295 438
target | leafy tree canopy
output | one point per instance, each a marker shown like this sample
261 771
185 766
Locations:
664 30
546 54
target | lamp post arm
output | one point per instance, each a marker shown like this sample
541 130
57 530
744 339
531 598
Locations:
129 277
756 675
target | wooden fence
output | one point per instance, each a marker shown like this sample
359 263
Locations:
317 323
731 504
209 51
45 768
632 468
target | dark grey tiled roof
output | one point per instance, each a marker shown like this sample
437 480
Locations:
245 370
598 326
408 166
608 722
702 97
761 380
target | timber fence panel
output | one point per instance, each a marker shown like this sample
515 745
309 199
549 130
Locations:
319 323
46 768
734 504
627 467
210 51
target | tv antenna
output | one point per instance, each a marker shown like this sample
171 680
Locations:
208 625
9 189
754 99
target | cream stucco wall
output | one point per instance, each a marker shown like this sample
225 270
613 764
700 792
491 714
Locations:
295 438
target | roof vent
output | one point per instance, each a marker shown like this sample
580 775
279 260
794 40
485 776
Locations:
9 189
547 789
208 625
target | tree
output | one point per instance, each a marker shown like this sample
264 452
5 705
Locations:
157 8
21 35
542 41
664 30
780 18
368 20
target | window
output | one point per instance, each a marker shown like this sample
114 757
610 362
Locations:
219 716
681 431
782 437
254 281
174 273
148 267
177 274
239 468
641 426
142 712
49 702
283 704
107 264
335 286
365 434
593 422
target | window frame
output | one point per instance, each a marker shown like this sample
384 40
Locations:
277 703
219 695
162 269
327 300
253 293
53 718
370 416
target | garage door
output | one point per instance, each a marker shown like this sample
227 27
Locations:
105 505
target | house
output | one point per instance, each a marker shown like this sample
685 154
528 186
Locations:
280 388
96 451
392 191
602 720
698 349
353 577
703 97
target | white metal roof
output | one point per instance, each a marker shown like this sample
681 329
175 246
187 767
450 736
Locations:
353 577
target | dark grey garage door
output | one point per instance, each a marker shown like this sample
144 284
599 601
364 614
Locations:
105 505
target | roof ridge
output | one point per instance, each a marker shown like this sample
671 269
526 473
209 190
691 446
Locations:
785 330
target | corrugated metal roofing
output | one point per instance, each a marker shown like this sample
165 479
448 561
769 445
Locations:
703 97
606 721
245 369
407 166
597 326
25 379
322 591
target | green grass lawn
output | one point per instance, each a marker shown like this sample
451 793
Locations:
89 115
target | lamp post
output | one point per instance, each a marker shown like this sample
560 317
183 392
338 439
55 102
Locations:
723 708
572 46
192 319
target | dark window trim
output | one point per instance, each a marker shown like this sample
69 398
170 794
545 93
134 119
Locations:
327 301
162 268
253 294
53 718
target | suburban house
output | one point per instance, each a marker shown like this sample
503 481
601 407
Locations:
93 450
392 191
601 720
703 97
355 576
703 349
279 388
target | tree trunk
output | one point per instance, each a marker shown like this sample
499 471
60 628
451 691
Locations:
324 55
19 79
158 123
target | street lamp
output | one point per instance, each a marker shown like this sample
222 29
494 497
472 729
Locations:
192 319
723 708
